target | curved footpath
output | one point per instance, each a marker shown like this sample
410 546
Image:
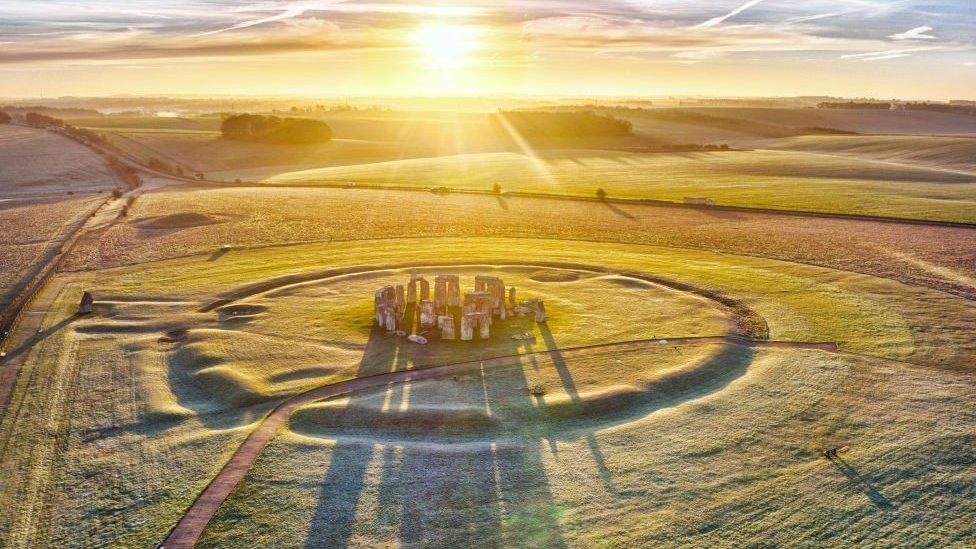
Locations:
191 526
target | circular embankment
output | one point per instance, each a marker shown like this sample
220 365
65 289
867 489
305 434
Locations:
580 396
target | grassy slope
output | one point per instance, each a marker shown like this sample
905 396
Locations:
773 179
41 162
811 303
31 230
929 255
93 446
740 467
957 153
861 121
220 158
164 423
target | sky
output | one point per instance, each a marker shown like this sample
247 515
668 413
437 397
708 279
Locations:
908 49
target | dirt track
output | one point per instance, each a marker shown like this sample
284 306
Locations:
189 529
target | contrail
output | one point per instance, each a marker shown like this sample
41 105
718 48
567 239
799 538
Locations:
716 20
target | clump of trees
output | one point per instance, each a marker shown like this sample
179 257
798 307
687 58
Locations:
566 124
878 105
38 120
4 118
940 107
272 129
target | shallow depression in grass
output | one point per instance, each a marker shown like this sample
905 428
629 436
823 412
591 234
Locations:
553 396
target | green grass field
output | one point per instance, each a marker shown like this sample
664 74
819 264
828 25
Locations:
174 389
956 153
693 366
769 179
739 466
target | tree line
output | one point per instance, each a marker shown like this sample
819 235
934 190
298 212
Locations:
272 129
548 124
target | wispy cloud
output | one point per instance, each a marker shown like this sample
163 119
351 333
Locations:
918 33
288 13
882 55
718 20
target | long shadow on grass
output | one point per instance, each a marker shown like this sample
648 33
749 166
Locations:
436 495
493 492
618 211
863 483
335 515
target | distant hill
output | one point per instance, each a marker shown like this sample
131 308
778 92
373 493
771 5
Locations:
954 153
906 122
561 124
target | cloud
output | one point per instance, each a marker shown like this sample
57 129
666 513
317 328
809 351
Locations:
692 57
918 33
286 14
883 55
717 20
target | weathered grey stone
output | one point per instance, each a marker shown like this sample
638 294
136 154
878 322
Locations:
447 291
401 302
470 321
428 317
467 327
384 298
412 291
417 339
389 317
446 325
540 311
511 297
479 300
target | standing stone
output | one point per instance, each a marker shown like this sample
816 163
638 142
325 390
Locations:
511 297
384 297
428 317
401 302
86 305
389 319
454 291
446 324
480 301
540 311
485 325
467 327
424 289
412 290
440 292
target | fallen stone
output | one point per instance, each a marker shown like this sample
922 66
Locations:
418 339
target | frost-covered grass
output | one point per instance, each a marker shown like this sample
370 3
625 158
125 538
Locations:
783 180
739 466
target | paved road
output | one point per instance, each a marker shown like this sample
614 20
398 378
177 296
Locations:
189 529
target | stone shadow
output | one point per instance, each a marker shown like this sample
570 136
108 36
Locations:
442 495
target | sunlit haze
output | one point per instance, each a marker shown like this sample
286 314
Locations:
906 49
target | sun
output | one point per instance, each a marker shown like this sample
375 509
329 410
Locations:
446 45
